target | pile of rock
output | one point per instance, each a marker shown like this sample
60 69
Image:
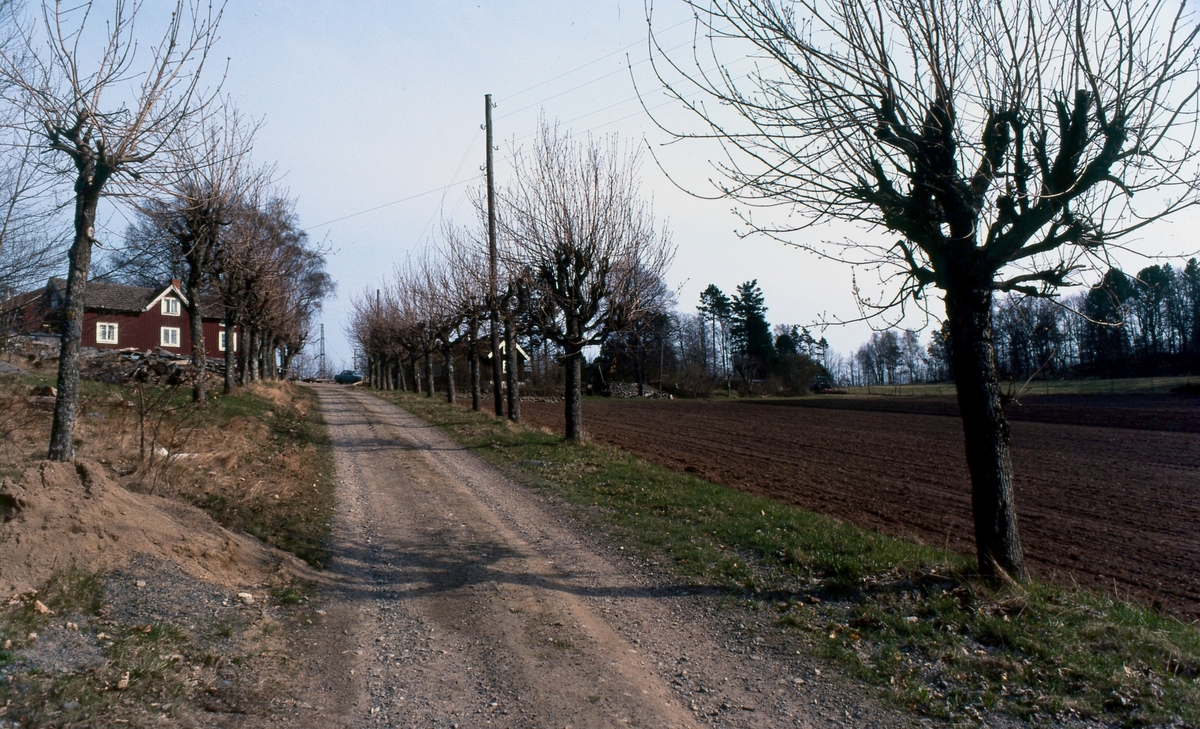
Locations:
630 390
33 352
118 366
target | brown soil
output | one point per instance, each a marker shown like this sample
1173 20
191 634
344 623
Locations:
61 514
1113 508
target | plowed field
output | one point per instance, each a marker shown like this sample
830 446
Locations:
1108 489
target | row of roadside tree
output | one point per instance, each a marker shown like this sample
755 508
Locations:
579 257
92 109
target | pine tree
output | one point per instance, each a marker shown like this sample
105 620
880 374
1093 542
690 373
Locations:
716 308
750 332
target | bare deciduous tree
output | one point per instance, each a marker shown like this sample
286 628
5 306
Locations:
1004 144
198 206
575 223
103 124
467 273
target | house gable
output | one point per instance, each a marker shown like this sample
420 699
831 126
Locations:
174 288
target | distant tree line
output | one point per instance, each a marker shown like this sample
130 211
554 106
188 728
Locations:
1124 326
729 344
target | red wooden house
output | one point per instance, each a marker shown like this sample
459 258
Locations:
122 317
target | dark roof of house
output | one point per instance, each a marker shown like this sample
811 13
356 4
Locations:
112 297
105 296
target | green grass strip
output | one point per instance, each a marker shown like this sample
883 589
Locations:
912 620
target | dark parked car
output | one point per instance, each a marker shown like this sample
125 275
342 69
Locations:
348 377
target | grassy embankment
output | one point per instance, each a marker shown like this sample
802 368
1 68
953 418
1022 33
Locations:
259 461
909 619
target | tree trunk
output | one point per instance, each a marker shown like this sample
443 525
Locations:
66 405
473 366
252 359
573 396
285 368
497 375
196 321
270 370
428 372
448 370
513 376
230 340
244 356
476 385
640 367
985 428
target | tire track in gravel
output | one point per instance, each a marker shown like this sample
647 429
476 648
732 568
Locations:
458 598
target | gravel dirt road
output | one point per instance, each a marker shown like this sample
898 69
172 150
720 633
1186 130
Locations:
459 598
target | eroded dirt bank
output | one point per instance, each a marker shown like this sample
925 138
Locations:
461 599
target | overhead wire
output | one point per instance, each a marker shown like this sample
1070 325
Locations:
397 202
525 108
598 79
442 203
589 63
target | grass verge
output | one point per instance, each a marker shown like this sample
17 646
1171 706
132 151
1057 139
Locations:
911 620
284 493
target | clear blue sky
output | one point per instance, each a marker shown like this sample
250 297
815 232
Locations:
368 103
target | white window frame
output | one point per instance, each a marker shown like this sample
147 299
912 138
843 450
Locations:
170 306
165 341
221 341
101 328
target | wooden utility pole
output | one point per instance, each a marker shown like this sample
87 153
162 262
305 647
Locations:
322 370
497 373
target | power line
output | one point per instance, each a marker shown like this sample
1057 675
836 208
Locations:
442 203
668 102
589 63
395 202
524 108
590 82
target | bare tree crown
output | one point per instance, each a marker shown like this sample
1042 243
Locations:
575 220
109 111
1017 134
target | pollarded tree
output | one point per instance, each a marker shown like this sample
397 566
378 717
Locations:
198 207
104 112
1001 145
467 275
575 221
